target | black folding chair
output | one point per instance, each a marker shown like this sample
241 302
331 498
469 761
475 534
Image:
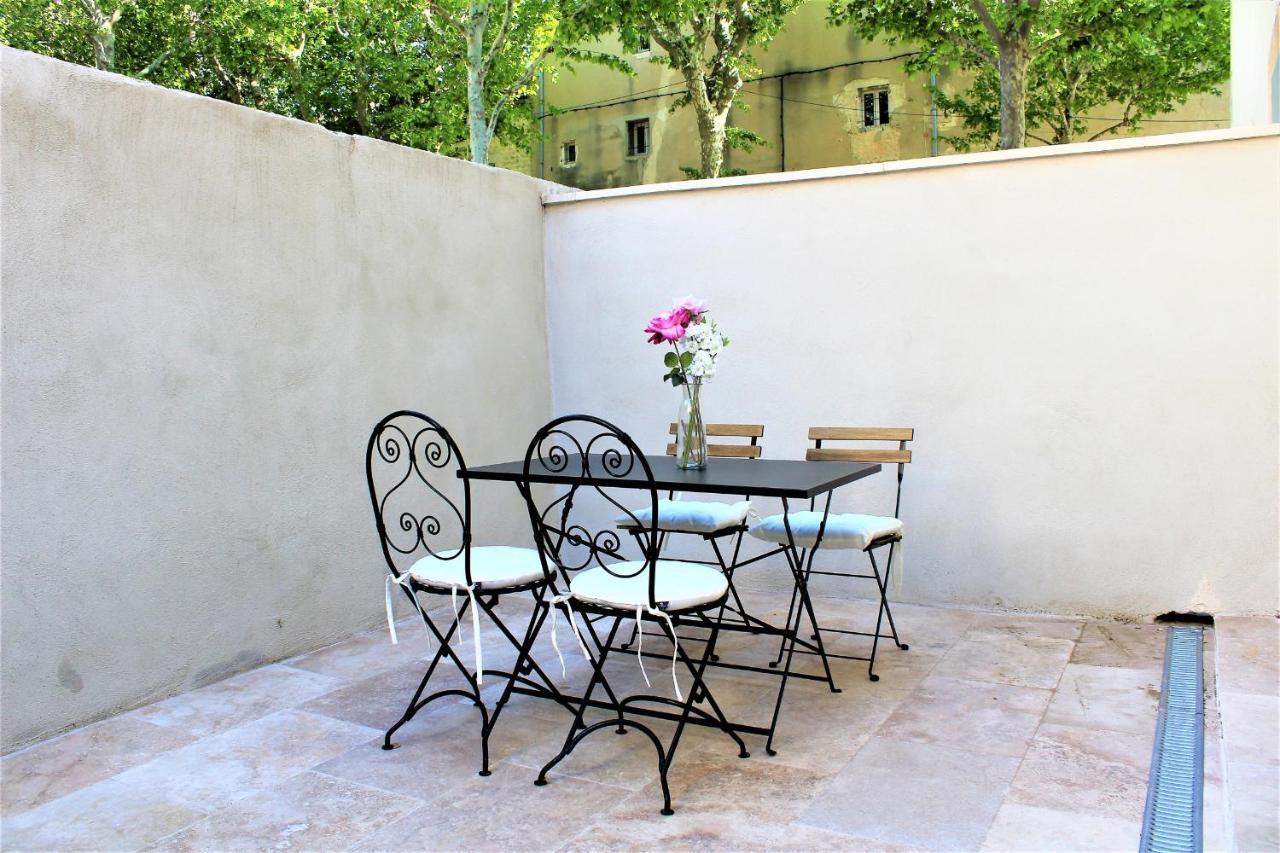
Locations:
601 471
423 514
866 533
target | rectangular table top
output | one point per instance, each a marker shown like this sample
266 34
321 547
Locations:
778 478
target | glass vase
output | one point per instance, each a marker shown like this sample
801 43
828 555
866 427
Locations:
691 433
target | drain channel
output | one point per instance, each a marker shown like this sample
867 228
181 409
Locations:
1174 816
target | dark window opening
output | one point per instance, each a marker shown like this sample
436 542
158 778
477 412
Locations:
637 137
569 153
875 107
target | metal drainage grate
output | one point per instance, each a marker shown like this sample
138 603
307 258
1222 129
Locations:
1175 794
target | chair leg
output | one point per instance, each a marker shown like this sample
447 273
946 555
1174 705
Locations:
414 706
884 597
875 637
791 608
523 649
445 650
574 736
698 691
881 613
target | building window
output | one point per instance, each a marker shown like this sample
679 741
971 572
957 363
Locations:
875 106
569 153
646 45
637 137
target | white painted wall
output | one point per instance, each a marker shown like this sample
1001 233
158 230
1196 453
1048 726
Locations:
1085 340
1255 26
205 310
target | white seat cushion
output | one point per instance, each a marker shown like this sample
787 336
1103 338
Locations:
691 516
843 530
677 583
492 566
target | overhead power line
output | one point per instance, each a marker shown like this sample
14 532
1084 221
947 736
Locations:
657 92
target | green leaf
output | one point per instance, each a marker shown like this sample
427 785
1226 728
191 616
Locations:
677 379
686 359
671 359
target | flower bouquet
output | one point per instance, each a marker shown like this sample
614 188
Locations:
696 344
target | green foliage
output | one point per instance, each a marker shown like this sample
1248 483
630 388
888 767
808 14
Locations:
679 363
693 173
388 69
1146 56
709 42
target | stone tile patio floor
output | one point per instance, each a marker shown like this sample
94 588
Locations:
995 731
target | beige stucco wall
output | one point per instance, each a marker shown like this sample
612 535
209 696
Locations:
812 128
205 310
1085 339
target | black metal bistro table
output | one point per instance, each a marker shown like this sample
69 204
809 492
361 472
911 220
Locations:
788 480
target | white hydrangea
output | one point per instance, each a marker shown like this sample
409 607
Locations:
703 366
705 342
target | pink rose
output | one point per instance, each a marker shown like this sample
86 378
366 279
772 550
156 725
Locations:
665 327
680 315
692 305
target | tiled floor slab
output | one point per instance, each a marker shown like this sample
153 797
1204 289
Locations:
1007 658
108 815
236 700
725 804
369 653
1122 644
976 715
64 764
1028 625
1085 770
223 768
1251 727
310 811
1113 698
1022 827
1254 793
914 794
1248 653
505 811
922 759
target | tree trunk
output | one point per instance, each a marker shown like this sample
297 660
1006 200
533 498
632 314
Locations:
711 136
477 118
1015 55
712 119
104 47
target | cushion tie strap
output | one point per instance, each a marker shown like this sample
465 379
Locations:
895 566
568 610
475 624
662 614
405 581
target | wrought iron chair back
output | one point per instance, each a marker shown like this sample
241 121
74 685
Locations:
412 467
599 464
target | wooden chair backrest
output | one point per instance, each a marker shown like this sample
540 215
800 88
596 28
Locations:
899 455
754 432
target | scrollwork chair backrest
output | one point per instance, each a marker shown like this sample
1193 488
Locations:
412 466
606 477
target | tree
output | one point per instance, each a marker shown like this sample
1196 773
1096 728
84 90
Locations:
373 67
999 34
709 42
503 45
1144 58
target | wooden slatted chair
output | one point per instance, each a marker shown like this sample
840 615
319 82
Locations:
712 520
866 533
751 450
